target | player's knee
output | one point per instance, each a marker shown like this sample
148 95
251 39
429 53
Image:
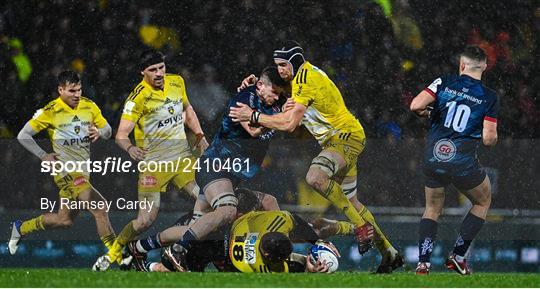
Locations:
484 200
316 179
142 223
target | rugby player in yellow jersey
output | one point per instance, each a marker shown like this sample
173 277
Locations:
262 242
72 123
155 111
319 106
258 242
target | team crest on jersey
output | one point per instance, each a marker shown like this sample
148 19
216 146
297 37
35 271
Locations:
171 110
250 248
444 150
77 129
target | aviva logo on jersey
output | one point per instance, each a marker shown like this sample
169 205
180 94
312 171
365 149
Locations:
76 141
171 120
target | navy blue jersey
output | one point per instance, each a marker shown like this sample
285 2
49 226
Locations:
461 105
232 141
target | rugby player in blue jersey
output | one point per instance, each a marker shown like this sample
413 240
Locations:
236 154
462 111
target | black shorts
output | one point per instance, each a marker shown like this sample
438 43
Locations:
204 177
467 180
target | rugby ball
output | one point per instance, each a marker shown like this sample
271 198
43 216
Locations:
321 251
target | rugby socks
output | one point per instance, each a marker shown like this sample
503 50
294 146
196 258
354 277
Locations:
344 228
128 233
195 216
108 240
189 236
380 241
148 244
427 235
335 195
469 229
32 225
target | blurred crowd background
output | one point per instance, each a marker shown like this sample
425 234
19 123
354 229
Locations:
379 53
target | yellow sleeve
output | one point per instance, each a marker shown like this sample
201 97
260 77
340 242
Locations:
133 108
185 101
41 120
99 120
304 93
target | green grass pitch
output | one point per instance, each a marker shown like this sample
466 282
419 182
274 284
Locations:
86 278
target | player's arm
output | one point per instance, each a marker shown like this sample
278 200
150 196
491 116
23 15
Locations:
122 139
99 127
26 139
489 132
420 104
253 131
94 132
192 122
285 121
267 202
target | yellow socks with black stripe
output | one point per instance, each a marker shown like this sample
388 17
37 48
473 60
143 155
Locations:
335 195
344 228
380 241
128 233
32 225
108 240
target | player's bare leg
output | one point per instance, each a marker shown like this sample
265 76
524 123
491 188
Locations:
63 218
391 259
201 206
222 199
325 165
428 228
101 216
144 220
480 197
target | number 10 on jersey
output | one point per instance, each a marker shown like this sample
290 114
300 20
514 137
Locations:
457 117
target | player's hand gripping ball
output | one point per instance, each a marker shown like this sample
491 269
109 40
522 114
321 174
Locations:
326 252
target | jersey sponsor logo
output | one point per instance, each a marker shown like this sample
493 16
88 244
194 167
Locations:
148 181
75 118
433 86
79 181
171 120
299 90
76 141
37 113
175 84
444 150
267 135
463 94
167 100
128 107
250 249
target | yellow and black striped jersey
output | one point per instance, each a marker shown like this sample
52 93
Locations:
158 118
68 127
246 234
326 112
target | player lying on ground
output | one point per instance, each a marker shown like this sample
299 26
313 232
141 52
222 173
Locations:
234 143
211 249
319 106
272 247
463 112
72 123
154 109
